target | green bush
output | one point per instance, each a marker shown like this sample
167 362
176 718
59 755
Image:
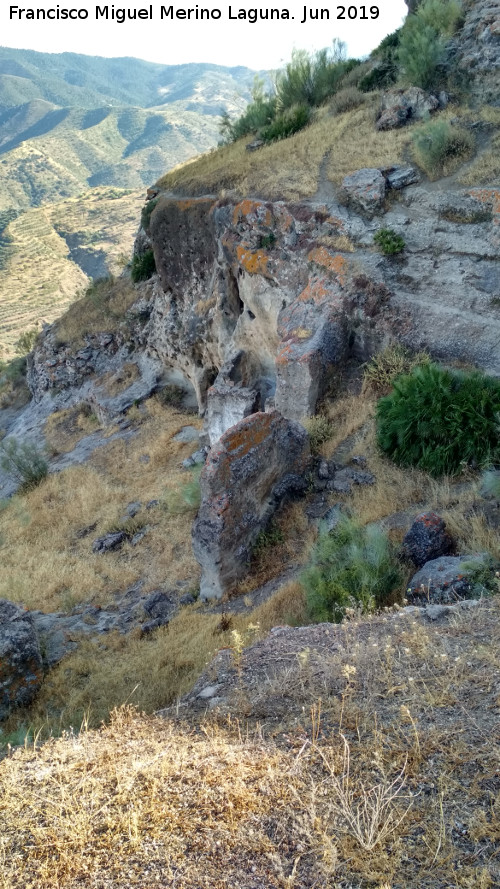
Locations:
26 342
440 147
23 462
423 41
353 566
389 241
259 113
143 266
147 212
188 497
291 121
440 420
385 72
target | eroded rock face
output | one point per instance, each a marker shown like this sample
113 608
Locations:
246 476
256 302
20 658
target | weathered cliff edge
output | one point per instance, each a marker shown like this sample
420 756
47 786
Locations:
255 302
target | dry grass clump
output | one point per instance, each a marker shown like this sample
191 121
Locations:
102 308
46 535
63 429
115 382
289 169
383 369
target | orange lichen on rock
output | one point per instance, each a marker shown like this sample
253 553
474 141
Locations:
252 208
334 263
247 435
253 261
487 196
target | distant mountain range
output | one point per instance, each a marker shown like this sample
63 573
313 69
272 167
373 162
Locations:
70 121
100 130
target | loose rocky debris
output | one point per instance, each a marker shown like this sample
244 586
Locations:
265 676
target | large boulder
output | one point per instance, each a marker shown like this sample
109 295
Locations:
364 191
20 658
445 580
427 539
255 465
398 106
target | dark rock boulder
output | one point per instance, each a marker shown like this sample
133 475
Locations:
109 542
20 658
254 466
427 539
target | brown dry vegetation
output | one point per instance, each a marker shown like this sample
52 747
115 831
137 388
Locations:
372 765
102 308
290 169
63 429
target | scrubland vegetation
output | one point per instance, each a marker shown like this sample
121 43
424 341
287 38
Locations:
374 765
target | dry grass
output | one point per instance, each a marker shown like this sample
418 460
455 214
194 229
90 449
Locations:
375 763
102 308
118 381
46 552
63 429
290 169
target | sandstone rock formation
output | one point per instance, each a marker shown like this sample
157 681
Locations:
20 658
254 466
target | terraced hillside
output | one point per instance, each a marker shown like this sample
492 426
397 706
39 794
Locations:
50 252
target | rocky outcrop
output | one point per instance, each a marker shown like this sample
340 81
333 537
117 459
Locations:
399 106
477 50
255 303
20 658
246 476
445 580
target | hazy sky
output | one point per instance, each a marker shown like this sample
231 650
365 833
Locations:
262 45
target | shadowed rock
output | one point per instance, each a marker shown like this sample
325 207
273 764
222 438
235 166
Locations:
20 658
255 465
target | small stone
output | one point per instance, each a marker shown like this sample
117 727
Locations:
187 434
152 504
365 190
109 542
427 539
208 692
323 469
133 508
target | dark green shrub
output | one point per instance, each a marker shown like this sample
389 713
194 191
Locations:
423 41
353 566
439 147
291 121
385 72
171 395
440 420
389 241
392 362
24 462
143 266
311 78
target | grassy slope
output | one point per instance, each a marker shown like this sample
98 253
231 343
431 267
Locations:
39 278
